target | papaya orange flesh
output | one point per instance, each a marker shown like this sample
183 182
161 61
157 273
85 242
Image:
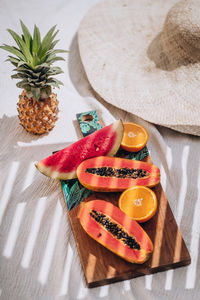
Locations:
114 174
116 231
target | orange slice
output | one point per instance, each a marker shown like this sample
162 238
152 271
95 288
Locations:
139 203
135 137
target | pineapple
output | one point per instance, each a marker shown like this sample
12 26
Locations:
33 59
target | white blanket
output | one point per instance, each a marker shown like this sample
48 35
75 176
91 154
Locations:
38 255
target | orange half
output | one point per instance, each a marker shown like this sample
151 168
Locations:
139 203
135 137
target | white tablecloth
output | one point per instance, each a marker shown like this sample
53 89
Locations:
38 256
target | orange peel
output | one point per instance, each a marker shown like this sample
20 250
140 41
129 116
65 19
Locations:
134 138
139 203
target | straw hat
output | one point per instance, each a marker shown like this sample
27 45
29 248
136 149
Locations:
143 56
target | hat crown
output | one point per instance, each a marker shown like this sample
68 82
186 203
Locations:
183 25
135 63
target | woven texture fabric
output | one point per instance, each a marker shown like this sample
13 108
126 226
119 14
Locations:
143 57
38 255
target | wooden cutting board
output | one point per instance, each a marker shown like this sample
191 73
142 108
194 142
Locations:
101 266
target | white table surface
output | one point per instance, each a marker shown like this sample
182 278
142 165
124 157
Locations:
38 256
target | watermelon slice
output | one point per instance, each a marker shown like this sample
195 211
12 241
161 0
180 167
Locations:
63 164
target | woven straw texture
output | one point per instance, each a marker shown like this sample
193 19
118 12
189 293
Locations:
143 57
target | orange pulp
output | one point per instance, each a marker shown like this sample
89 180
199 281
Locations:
135 137
139 203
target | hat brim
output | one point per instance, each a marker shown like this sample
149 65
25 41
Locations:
120 45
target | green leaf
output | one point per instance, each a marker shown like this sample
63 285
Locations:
36 40
23 63
27 35
13 60
51 40
54 35
54 82
15 76
22 45
54 71
23 69
46 42
13 63
55 51
43 65
33 80
19 76
74 192
43 76
45 92
16 37
36 93
41 70
133 155
36 60
49 57
56 58
53 44
14 51
22 84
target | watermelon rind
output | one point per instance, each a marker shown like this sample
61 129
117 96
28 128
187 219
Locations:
52 170
119 128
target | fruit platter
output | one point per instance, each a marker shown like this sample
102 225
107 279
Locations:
121 220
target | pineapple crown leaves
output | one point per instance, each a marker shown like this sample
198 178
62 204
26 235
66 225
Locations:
33 59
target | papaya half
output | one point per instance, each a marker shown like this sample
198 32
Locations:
115 230
114 174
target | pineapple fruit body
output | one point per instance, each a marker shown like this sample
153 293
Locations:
33 60
37 116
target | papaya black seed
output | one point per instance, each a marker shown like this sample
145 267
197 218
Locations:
118 173
114 229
